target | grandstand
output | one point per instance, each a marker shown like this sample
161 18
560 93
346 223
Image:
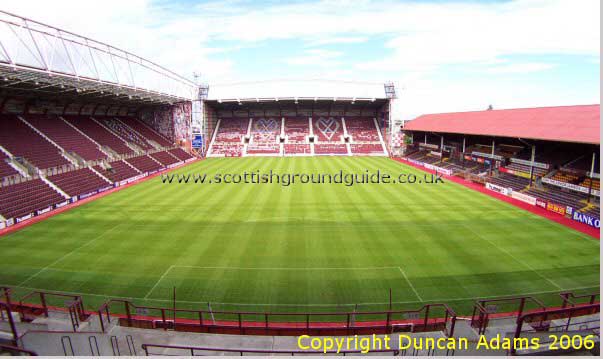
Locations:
131 264
297 127
531 154
56 150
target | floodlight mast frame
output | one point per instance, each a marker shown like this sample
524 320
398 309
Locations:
391 95
40 54
198 122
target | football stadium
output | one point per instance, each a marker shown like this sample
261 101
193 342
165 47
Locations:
142 215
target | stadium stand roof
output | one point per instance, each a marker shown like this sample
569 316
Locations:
36 57
562 123
298 88
349 103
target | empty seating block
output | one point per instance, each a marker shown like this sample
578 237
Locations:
118 171
264 136
144 163
99 134
330 149
566 177
146 131
5 168
362 129
296 149
297 130
367 148
327 129
125 132
232 130
593 211
510 181
558 196
21 140
526 169
586 183
364 136
180 153
425 156
21 199
165 158
79 182
228 141
227 150
67 137
418 156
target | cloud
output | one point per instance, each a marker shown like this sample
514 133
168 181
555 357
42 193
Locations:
412 43
336 40
519 68
317 57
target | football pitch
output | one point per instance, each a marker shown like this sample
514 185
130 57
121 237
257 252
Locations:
302 247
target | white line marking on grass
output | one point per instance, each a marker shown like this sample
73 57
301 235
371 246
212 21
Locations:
285 268
67 255
159 280
409 283
515 258
440 300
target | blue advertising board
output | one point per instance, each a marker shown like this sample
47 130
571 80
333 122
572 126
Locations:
584 218
197 141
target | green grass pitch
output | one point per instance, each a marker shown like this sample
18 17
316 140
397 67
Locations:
302 247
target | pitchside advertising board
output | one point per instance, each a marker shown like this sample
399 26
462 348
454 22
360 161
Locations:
583 217
443 171
499 189
524 198
197 141
548 205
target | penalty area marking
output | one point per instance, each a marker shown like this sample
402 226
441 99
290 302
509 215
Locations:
404 276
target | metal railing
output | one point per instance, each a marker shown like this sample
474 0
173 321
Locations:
484 308
540 321
193 351
429 316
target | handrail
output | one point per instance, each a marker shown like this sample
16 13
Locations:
11 321
571 298
238 321
481 314
13 349
192 350
445 306
545 314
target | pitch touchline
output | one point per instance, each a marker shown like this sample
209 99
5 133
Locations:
106 296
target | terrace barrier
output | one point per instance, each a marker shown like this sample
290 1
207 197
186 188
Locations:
427 318
194 351
560 321
72 303
483 309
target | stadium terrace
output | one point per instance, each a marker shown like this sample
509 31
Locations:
99 257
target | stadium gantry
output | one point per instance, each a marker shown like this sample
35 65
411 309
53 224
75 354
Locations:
83 122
